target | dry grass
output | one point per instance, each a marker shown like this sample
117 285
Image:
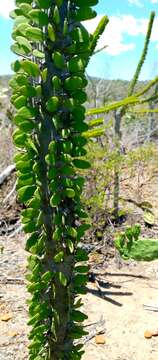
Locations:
6 147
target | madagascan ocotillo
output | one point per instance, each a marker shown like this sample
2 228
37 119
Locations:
48 92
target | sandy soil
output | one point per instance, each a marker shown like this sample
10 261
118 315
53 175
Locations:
119 302
126 319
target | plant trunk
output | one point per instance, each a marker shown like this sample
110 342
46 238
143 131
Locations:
117 138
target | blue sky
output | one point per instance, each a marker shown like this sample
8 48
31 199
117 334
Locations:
124 38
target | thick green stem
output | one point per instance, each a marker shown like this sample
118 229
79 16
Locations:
48 93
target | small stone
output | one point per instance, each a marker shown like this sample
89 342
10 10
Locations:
148 334
154 332
12 333
100 339
6 317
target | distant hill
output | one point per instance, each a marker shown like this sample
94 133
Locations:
4 79
99 91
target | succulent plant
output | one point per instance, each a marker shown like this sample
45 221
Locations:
48 92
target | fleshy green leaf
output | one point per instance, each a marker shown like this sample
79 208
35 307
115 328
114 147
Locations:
82 269
57 234
34 34
47 276
56 15
20 102
78 316
26 193
62 278
51 33
53 104
72 232
30 68
55 200
24 43
81 3
56 81
81 164
19 138
19 49
25 7
44 4
58 59
39 17
26 112
23 166
70 245
81 255
31 241
30 226
38 54
81 230
73 83
80 279
59 257
70 193
85 13
27 126
80 34
76 64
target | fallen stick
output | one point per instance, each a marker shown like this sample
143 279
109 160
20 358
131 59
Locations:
150 307
17 231
10 193
96 329
12 281
93 334
100 322
5 229
5 173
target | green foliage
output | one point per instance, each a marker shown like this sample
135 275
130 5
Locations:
48 93
142 155
131 246
142 161
98 188
136 168
121 108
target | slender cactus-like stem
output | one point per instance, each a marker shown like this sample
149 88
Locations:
143 55
117 139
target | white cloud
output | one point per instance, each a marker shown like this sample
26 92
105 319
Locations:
114 33
136 2
119 26
5 7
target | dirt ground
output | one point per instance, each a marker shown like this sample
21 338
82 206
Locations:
114 302
117 297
